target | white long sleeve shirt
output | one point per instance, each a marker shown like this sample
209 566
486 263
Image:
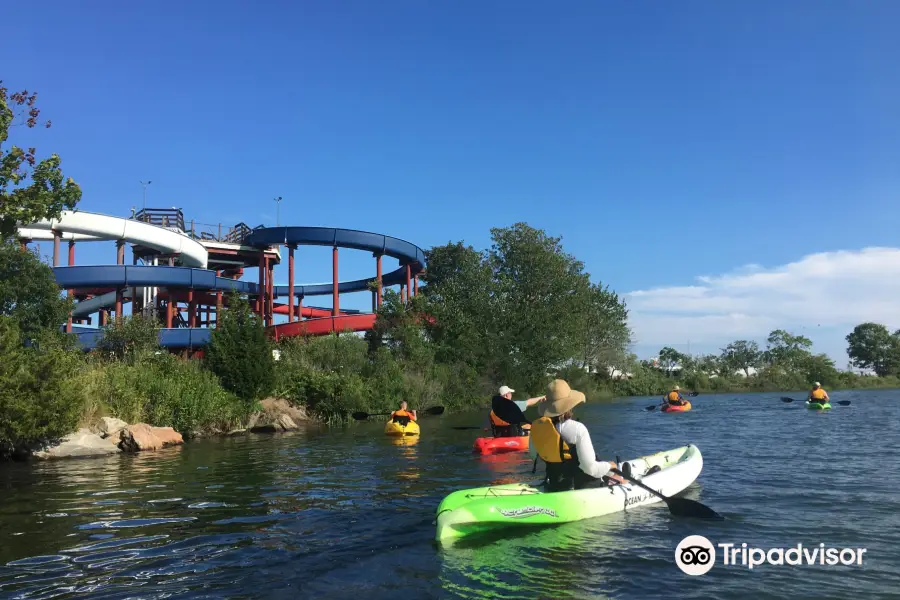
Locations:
575 433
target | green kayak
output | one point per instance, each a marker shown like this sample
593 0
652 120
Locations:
818 405
478 510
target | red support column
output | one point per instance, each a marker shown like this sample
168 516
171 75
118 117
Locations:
291 283
192 309
378 277
70 292
408 286
119 314
270 292
416 286
104 317
120 252
57 236
170 311
23 245
335 299
299 308
218 300
262 283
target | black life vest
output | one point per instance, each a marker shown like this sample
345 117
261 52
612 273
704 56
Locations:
507 410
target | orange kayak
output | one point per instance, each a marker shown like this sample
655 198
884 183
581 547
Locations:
492 445
671 408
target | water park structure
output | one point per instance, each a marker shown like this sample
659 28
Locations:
180 274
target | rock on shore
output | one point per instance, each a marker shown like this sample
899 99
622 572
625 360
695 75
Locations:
145 437
79 444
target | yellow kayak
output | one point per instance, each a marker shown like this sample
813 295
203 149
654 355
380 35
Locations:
392 428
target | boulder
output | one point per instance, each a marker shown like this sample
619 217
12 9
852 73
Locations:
276 415
110 426
144 437
82 443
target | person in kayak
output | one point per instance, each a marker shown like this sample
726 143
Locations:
675 398
565 445
507 416
818 395
403 415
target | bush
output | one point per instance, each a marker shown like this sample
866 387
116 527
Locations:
130 338
239 353
164 391
37 404
28 291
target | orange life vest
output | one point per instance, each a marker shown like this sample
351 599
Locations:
402 413
818 394
673 396
497 421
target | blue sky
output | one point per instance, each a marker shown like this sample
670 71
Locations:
663 141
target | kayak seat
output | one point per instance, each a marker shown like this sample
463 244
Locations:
653 469
403 421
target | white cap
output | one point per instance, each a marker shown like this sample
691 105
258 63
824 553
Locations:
505 389
817 384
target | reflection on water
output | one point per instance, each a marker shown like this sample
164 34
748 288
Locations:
339 513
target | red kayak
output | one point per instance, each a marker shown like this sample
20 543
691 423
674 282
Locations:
673 408
492 445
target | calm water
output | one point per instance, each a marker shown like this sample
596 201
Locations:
348 513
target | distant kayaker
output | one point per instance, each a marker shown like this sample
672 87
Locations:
507 417
565 444
818 395
675 398
403 412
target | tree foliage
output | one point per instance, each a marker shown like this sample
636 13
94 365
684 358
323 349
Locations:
239 351
130 338
30 190
742 355
37 401
28 291
872 346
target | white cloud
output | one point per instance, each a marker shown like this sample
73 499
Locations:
832 290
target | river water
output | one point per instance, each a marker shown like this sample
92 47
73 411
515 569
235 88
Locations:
348 513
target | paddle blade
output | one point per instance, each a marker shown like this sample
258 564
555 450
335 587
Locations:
435 410
683 507
651 407
694 394
844 402
786 399
359 416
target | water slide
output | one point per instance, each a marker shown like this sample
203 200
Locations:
93 227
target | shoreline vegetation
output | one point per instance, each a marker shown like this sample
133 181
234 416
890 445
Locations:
520 313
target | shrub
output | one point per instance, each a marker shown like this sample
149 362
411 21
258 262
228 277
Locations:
239 353
36 403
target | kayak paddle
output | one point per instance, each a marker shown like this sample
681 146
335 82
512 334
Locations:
359 416
680 507
841 402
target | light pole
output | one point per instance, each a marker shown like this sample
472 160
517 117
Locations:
277 211
145 184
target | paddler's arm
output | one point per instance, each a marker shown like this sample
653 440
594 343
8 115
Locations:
533 401
587 460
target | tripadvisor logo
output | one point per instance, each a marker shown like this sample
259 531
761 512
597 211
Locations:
696 555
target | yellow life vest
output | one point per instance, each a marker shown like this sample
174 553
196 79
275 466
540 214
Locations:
549 444
818 394
673 395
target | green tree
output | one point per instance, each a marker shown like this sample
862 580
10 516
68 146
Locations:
37 401
743 355
28 291
543 299
130 338
606 332
818 367
786 350
670 359
30 190
459 294
239 351
871 346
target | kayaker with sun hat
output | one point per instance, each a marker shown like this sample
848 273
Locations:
674 397
818 395
565 444
507 416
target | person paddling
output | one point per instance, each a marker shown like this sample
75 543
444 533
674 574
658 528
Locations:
403 415
565 444
818 395
675 398
507 416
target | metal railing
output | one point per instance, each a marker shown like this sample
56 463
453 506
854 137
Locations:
174 218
